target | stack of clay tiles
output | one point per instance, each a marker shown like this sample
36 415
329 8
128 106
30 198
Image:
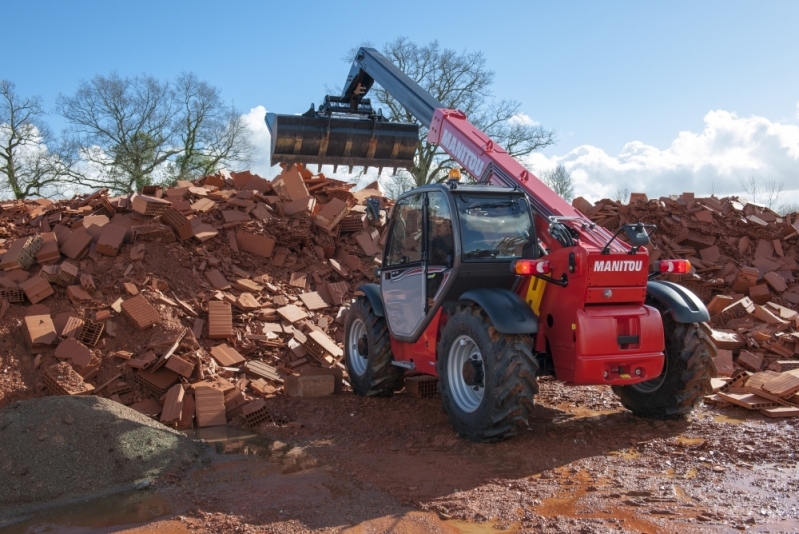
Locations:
192 303
745 260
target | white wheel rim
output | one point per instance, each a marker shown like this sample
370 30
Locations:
463 354
358 361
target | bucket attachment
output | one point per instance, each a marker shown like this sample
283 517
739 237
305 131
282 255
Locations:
334 140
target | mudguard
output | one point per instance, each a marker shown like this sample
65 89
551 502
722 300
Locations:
683 304
372 292
508 312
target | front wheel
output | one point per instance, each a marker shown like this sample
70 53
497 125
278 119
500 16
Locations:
685 378
487 380
367 353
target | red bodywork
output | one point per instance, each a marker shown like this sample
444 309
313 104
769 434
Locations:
582 324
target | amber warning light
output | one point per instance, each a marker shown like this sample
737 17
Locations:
532 267
673 266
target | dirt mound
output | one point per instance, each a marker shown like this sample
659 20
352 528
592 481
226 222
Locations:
72 447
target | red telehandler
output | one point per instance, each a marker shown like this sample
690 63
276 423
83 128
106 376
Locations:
490 285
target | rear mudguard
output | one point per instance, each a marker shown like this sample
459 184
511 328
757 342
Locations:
372 292
684 305
508 312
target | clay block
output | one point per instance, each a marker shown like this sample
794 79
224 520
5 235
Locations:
310 385
749 360
40 331
13 296
293 184
335 372
292 313
364 240
72 326
78 295
76 352
158 382
262 370
111 239
759 294
256 413
313 301
209 406
776 281
36 289
215 277
77 244
179 223
226 355
220 320
255 244
722 363
4 306
745 278
150 206
181 366
303 205
61 379
49 252
331 214
90 332
140 312
425 386
22 253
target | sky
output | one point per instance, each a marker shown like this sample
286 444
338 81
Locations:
657 97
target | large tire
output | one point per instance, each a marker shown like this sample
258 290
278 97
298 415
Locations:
685 378
495 411
367 353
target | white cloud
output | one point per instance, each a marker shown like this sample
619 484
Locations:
524 119
728 150
262 141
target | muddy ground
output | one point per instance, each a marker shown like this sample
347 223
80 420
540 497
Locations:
394 465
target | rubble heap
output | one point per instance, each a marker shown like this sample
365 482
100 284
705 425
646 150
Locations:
193 303
744 262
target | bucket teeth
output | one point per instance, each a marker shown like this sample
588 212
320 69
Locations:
342 141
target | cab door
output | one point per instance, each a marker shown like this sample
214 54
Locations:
403 276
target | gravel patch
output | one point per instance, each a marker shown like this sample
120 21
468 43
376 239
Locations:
71 448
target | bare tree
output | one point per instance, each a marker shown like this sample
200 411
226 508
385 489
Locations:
788 208
459 80
767 194
211 134
30 164
772 192
750 188
622 195
124 127
560 181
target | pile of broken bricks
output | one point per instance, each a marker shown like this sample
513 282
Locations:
744 260
195 303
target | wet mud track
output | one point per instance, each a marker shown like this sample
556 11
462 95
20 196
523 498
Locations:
394 465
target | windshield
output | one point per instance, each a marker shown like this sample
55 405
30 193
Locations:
493 227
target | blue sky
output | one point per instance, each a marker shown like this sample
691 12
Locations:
619 81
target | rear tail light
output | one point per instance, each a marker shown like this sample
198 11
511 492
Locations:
531 267
674 266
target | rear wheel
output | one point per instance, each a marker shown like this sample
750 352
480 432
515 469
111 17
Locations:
367 353
685 378
487 380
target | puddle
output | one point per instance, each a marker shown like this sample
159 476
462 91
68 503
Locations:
235 441
128 508
731 419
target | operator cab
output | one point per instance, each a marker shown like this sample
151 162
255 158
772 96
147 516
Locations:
443 241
